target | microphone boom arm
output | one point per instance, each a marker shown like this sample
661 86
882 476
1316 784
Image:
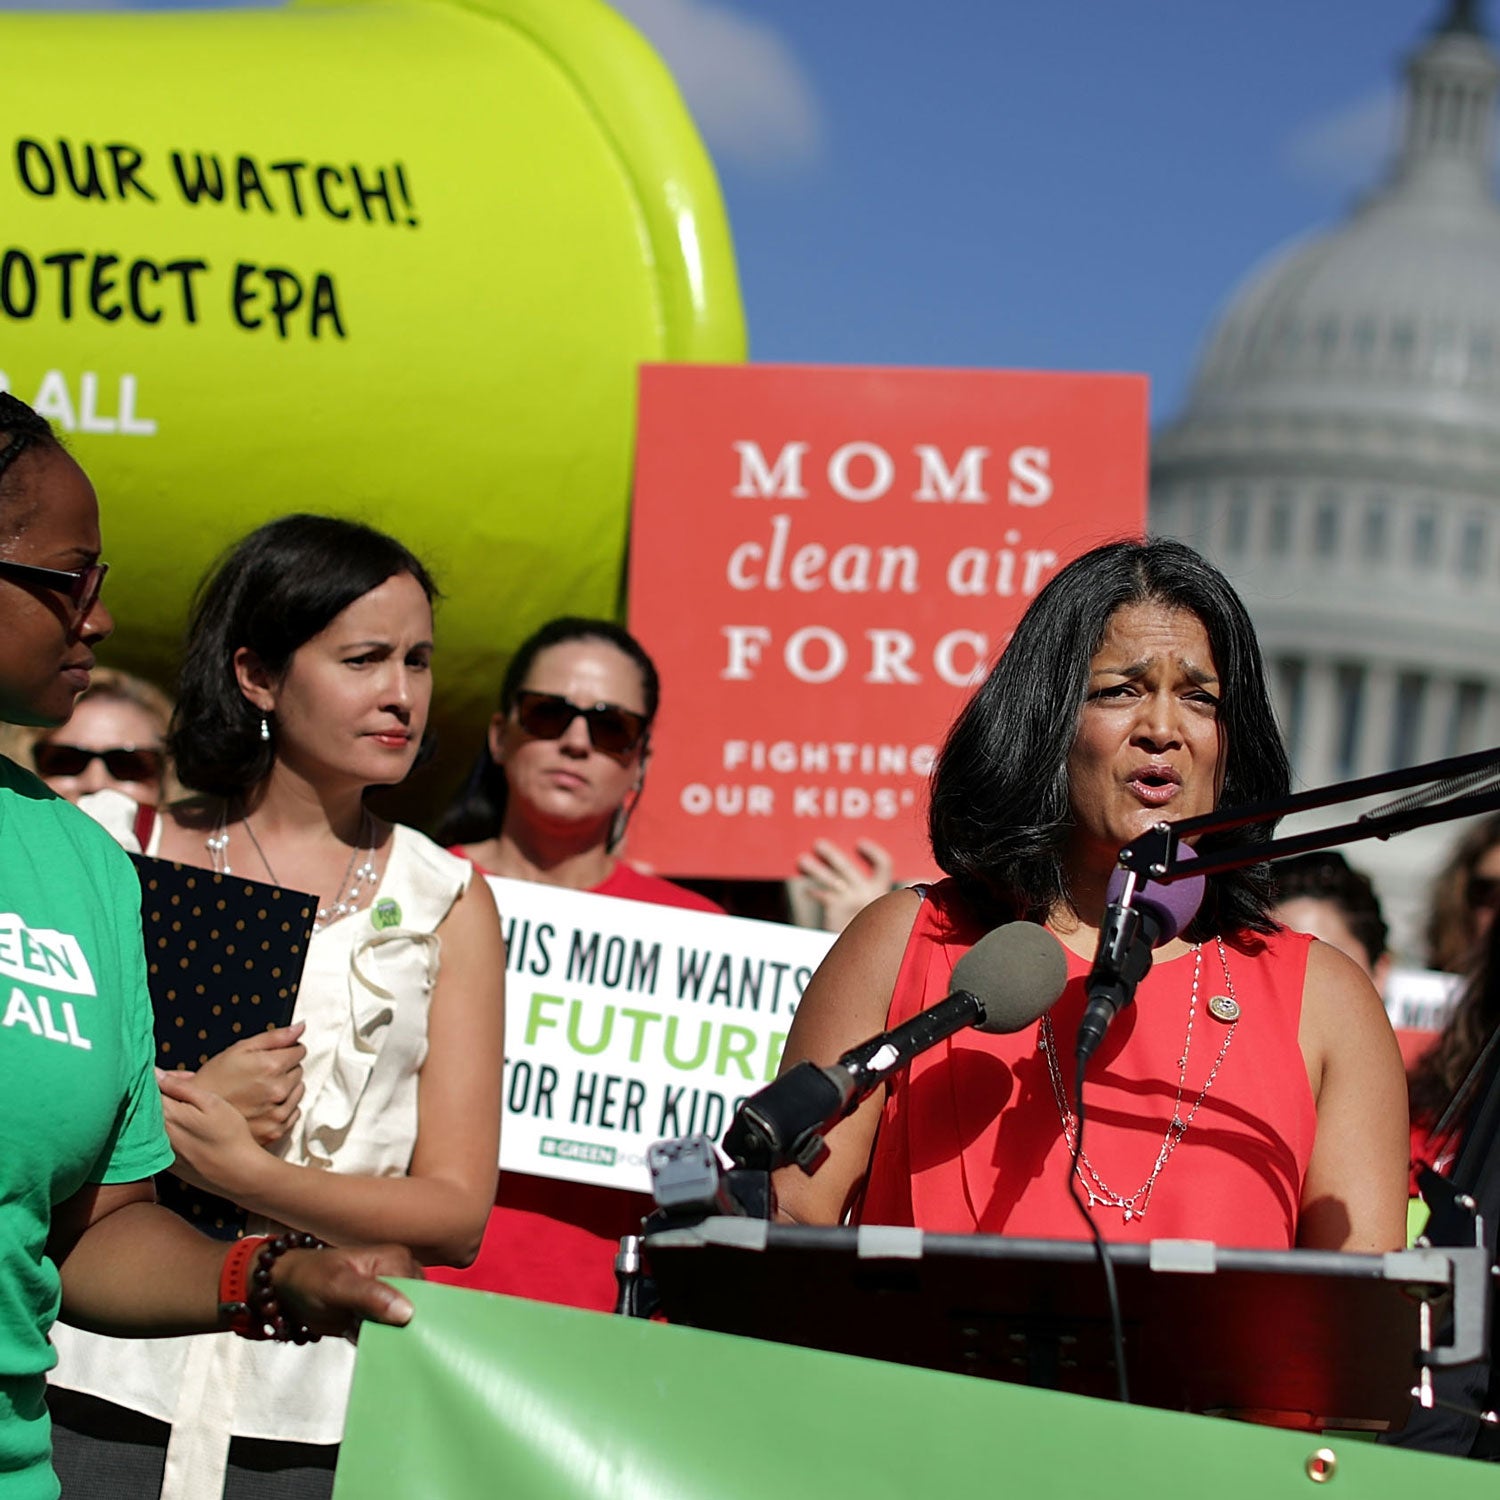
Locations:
1154 854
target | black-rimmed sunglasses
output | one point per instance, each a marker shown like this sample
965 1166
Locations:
123 762
81 586
612 730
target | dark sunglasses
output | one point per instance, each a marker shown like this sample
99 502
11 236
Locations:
1482 891
612 730
82 586
125 763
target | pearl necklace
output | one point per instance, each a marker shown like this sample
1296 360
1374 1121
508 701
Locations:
1135 1205
352 885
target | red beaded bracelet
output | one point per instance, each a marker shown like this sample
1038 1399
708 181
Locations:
248 1304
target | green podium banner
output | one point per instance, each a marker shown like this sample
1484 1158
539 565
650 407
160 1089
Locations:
483 1395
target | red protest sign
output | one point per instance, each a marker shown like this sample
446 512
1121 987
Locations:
823 562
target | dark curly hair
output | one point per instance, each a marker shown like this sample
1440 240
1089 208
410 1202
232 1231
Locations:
271 593
1000 815
478 809
24 430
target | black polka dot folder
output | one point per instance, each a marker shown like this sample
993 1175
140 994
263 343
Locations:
224 957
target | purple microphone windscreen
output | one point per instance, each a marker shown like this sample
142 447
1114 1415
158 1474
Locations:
1173 906
1016 971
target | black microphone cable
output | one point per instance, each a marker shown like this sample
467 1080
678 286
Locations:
1139 917
1101 1251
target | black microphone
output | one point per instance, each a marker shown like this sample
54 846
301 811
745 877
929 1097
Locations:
1002 984
1133 925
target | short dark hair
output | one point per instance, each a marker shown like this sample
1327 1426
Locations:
24 429
478 809
1327 876
1000 815
271 593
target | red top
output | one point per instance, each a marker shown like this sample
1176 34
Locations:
555 1241
633 885
971 1139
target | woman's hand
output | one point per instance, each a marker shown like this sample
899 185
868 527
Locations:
841 885
334 1290
439 1208
215 1148
131 1268
261 1076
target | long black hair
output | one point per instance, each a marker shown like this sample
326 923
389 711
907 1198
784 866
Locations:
1000 813
271 593
477 811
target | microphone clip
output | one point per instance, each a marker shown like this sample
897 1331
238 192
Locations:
1138 917
785 1122
1122 959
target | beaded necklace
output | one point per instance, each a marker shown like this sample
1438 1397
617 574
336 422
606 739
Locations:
1134 1205
351 886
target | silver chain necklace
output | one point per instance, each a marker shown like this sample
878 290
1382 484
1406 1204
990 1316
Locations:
351 886
1135 1205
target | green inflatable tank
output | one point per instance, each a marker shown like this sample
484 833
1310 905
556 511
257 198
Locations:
392 259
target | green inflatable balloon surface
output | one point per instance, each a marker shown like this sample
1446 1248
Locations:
391 259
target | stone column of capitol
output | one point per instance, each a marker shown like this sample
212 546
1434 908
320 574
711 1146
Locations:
1339 457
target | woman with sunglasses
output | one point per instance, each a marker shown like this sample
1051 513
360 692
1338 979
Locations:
1465 897
549 800
80 1120
551 793
114 744
306 681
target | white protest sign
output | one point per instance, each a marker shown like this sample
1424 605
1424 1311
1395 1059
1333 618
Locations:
1420 999
627 1023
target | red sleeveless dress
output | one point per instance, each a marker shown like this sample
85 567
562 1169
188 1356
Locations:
971 1138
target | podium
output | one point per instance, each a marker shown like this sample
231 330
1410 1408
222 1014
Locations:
1305 1339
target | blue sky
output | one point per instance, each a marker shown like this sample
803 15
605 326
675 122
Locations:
1068 185
1051 184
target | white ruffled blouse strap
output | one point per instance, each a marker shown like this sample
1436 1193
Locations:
391 956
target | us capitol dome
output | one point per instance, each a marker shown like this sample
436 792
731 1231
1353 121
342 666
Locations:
1339 456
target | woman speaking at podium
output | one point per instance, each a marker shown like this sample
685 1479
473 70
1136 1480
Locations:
1253 1095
